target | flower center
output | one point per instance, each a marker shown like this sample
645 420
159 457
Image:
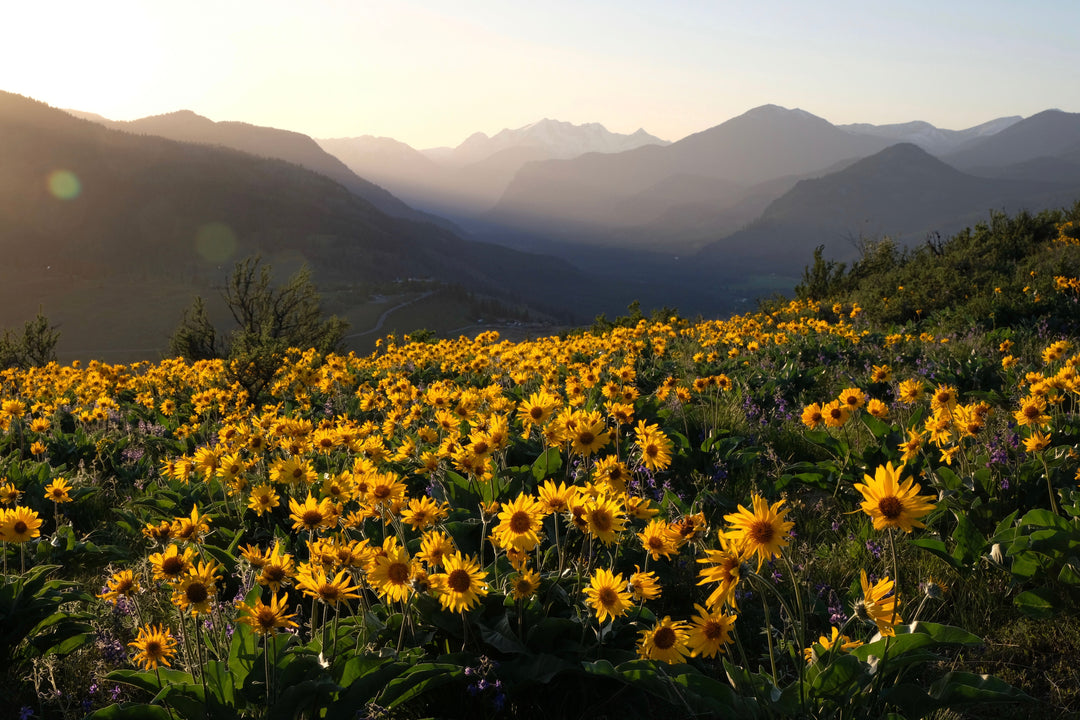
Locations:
891 507
398 573
172 565
712 629
586 438
520 522
664 638
600 520
607 596
459 581
20 527
761 532
197 593
311 518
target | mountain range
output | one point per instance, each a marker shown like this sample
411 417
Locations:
568 219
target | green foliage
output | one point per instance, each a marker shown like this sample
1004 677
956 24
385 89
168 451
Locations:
821 279
36 346
269 321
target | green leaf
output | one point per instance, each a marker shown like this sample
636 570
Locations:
418 680
957 688
970 543
547 464
937 548
1038 603
137 711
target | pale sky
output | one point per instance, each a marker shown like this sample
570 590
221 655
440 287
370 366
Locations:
432 73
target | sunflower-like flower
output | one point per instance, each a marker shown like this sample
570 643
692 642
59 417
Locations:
812 416
607 594
277 569
197 588
311 514
1037 442
643 585
191 529
121 584
424 512
891 503
58 491
462 583
605 518
721 567
19 524
761 531
710 632
667 642
156 646
390 571
841 642
315 583
267 619
524 584
878 604
654 445
656 539
556 498
263 498
171 565
435 546
852 398
836 414
519 523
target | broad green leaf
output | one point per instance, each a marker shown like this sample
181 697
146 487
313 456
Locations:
1038 603
957 688
547 464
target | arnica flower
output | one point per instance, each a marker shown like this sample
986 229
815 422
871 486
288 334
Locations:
315 583
852 398
812 416
607 594
520 523
58 491
910 391
121 584
390 571
524 585
1037 442
666 642
556 498
605 519
654 445
267 619
710 632
197 588
311 515
892 504
171 565
422 513
656 540
836 414
19 524
721 567
762 531
643 585
462 583
878 605
840 642
263 498
156 646
435 546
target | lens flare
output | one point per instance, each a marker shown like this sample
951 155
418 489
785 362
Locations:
215 241
64 184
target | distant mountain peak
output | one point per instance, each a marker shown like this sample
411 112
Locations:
556 139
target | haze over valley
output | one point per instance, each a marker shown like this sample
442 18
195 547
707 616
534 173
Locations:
551 223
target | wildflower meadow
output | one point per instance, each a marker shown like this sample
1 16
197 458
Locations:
803 511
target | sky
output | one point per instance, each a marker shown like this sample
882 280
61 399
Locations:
432 73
